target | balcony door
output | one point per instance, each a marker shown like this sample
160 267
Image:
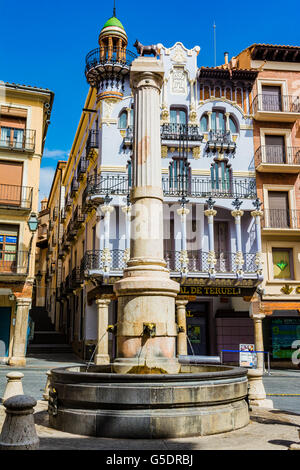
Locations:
275 149
8 248
11 174
279 216
221 237
271 98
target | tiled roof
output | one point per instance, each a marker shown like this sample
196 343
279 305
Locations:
18 85
272 52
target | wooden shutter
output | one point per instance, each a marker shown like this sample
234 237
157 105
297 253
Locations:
10 182
279 209
271 98
275 148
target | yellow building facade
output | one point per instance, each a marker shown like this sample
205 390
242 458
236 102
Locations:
24 118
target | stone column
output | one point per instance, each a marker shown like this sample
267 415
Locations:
209 113
20 333
239 260
227 121
106 256
183 212
257 394
102 356
146 328
181 322
257 214
210 214
127 211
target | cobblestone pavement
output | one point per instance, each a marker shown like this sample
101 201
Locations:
268 429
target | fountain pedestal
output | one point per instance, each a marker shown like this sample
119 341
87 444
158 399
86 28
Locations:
146 294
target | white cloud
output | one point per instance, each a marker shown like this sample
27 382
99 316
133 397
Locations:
56 154
46 178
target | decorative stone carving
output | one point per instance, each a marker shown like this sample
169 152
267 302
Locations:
165 115
164 151
196 153
179 56
179 81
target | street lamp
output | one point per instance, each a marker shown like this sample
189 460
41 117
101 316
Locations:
33 222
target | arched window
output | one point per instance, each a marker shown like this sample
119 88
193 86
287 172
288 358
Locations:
123 120
221 176
204 123
232 126
218 122
178 116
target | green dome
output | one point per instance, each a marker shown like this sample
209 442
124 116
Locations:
113 21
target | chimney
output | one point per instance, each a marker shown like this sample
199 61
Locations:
226 57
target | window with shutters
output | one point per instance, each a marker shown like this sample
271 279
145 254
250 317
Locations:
275 149
278 213
271 98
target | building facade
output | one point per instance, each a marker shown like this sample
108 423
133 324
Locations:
212 235
276 113
24 118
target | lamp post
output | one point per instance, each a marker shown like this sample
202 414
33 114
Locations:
32 223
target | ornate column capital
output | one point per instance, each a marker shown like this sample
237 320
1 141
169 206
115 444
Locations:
126 209
210 212
183 211
106 209
237 213
103 302
257 213
181 302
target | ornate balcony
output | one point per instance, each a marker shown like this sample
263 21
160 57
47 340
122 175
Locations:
82 168
267 107
92 144
74 186
174 131
15 197
277 158
25 141
107 60
198 263
220 141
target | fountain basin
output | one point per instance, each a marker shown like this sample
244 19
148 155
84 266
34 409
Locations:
199 401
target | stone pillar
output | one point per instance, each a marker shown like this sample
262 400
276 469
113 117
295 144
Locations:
14 385
227 121
127 211
257 394
183 212
146 328
257 214
181 322
239 260
18 431
106 256
209 113
128 111
20 333
102 356
210 214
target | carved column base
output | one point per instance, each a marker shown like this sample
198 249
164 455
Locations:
256 393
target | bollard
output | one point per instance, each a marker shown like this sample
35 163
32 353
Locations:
18 431
46 391
14 385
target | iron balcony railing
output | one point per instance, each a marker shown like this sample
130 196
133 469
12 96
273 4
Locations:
82 168
107 56
75 278
25 141
78 217
220 141
17 197
276 103
194 186
14 262
92 142
174 131
281 218
74 186
277 154
198 262
197 186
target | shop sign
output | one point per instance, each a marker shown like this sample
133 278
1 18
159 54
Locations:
284 332
211 291
248 358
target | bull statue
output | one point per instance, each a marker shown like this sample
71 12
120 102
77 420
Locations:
145 50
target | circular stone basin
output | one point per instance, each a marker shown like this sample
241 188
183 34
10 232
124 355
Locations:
199 401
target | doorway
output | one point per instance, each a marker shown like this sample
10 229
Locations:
197 330
5 316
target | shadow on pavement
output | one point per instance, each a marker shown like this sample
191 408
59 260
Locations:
281 442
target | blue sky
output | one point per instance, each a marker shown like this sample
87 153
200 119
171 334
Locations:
45 43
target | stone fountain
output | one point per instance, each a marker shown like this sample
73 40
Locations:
146 393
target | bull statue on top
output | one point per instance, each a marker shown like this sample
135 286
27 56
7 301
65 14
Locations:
145 50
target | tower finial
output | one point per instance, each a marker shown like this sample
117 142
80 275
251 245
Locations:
114 12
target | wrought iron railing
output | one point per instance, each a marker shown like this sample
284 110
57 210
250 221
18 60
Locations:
220 141
82 167
281 218
14 262
277 154
108 55
198 186
175 131
276 103
19 197
198 261
25 143
92 142
195 186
